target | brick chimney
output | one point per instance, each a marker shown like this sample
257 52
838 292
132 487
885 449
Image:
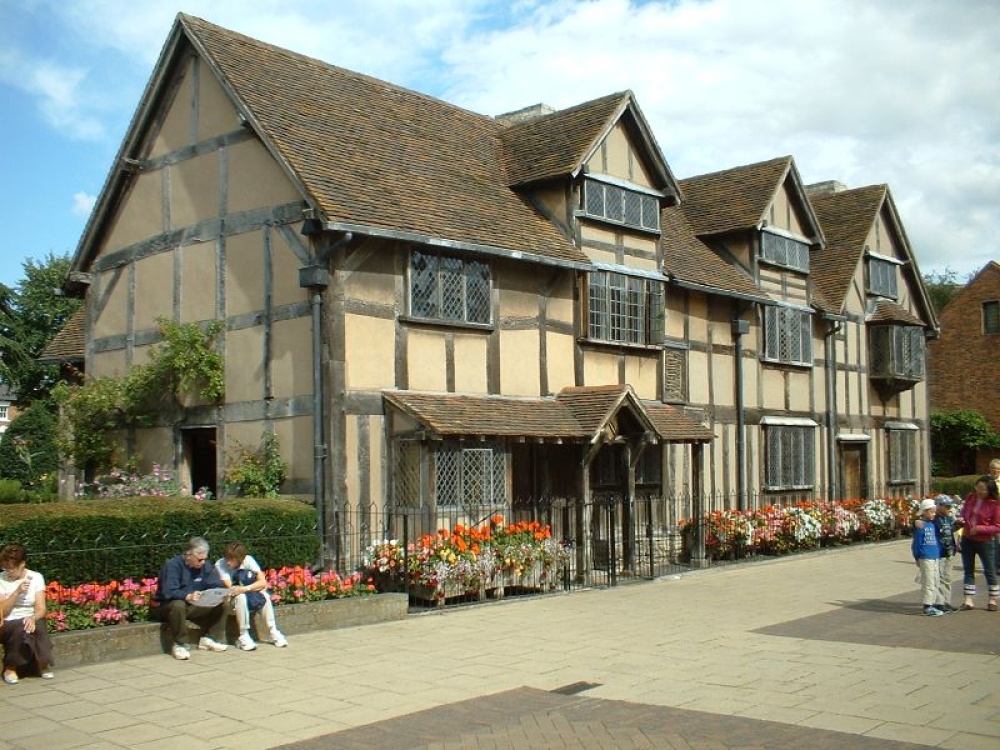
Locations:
525 114
825 188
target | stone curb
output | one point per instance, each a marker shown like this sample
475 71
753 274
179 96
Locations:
132 640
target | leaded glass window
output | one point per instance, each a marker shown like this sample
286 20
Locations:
449 288
789 461
787 335
624 309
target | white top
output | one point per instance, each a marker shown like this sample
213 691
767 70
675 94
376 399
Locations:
226 573
24 606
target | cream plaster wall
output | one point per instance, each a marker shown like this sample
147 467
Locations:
154 290
369 346
140 215
519 363
296 441
640 373
194 189
216 113
285 267
255 179
245 273
175 132
698 384
799 390
112 288
773 382
560 361
470 363
291 364
426 365
107 364
600 367
199 280
245 365
152 446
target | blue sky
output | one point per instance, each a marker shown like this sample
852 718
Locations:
861 91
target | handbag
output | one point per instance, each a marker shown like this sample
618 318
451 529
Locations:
244 577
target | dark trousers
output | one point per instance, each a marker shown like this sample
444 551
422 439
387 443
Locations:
210 620
21 649
985 552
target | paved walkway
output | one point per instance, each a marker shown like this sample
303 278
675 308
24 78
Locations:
790 653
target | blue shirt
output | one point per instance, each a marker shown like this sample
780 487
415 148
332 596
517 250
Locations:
925 545
177 580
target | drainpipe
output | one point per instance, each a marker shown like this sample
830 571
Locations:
316 278
740 328
833 480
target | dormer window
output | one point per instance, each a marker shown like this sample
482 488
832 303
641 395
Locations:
620 204
882 277
782 250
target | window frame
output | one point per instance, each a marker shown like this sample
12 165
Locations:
783 318
883 281
613 198
631 307
800 472
462 459
994 305
675 392
775 247
907 349
455 279
901 447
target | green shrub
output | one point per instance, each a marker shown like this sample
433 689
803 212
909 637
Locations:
960 485
256 473
28 451
103 540
12 493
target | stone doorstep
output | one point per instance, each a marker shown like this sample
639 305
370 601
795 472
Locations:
115 642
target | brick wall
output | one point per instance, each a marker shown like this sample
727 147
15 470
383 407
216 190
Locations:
964 363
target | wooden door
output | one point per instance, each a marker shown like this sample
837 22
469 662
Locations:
853 471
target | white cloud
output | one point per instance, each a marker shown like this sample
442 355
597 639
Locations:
83 203
863 91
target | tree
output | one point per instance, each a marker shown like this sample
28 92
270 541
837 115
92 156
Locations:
31 314
28 450
955 438
941 287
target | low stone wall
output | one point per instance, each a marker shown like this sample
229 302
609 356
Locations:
114 642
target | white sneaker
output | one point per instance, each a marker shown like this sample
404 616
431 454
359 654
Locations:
245 643
210 644
180 652
278 639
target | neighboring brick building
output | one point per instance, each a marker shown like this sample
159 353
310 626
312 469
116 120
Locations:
959 362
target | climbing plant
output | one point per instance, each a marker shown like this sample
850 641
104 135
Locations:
256 473
185 362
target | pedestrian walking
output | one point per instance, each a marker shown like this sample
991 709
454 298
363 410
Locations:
980 523
927 554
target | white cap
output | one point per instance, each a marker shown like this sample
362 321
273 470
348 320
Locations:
928 504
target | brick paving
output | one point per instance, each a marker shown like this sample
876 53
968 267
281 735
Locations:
807 651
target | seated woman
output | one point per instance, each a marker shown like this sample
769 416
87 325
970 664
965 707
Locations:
241 572
22 605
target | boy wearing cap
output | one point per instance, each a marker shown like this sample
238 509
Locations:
927 552
945 524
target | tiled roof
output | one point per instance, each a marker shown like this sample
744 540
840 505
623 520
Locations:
692 263
890 312
69 345
846 218
733 198
554 145
674 425
449 414
372 154
575 413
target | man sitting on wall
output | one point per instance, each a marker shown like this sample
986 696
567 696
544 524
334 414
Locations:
181 593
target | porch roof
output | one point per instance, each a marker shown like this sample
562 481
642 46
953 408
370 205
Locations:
889 312
578 414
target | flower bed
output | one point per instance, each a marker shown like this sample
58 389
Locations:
778 530
94 605
467 561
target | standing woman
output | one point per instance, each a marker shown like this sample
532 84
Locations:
980 524
22 605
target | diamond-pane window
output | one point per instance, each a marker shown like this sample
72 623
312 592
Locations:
882 278
902 455
406 477
787 335
784 251
620 205
896 351
449 288
788 457
624 309
470 477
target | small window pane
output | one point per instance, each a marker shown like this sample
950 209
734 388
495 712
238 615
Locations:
991 317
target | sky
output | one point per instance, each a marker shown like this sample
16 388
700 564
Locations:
903 92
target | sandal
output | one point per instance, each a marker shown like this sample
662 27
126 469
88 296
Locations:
991 607
10 678
966 607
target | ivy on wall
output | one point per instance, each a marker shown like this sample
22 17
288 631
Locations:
186 362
